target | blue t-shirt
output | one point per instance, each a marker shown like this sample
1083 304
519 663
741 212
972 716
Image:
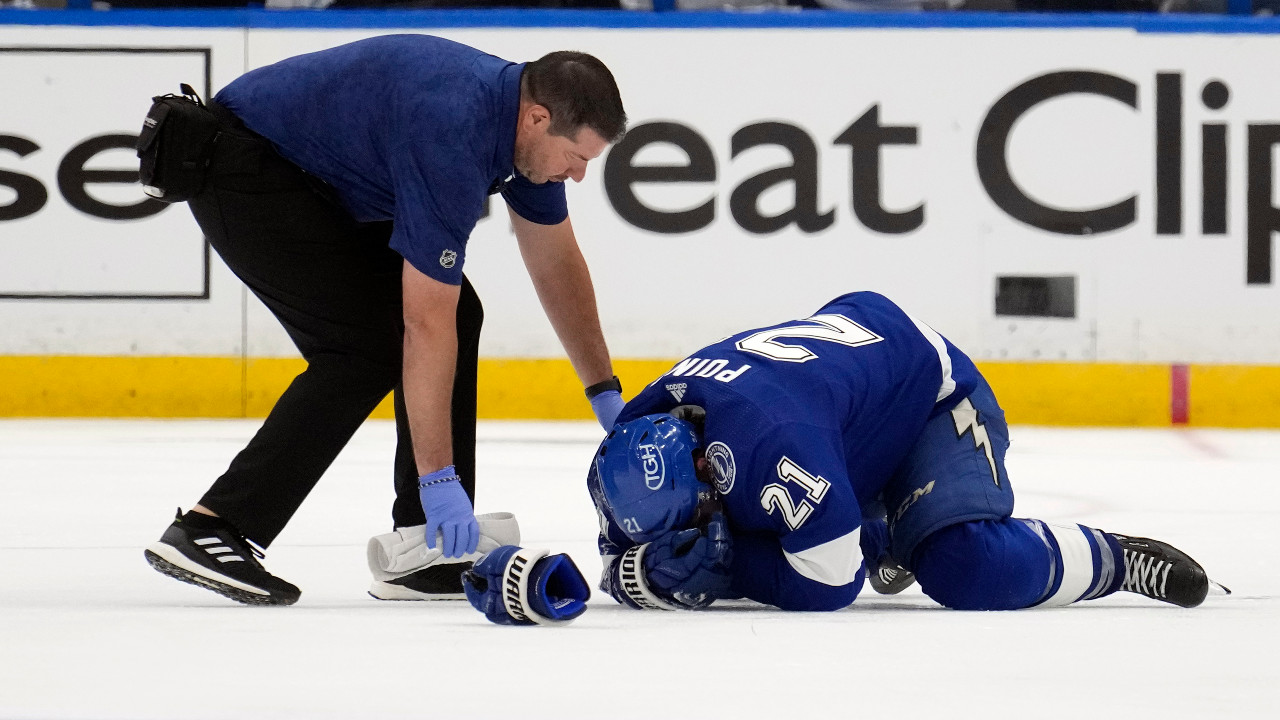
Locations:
806 422
409 128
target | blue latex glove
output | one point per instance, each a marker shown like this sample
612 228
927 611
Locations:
691 567
607 406
448 511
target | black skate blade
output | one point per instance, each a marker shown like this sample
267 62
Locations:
234 593
1223 589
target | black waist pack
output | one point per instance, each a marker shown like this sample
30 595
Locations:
175 146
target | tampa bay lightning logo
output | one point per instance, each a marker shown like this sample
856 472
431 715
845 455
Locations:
723 468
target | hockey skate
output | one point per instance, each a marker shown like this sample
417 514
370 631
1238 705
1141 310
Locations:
890 578
1162 572
220 560
404 568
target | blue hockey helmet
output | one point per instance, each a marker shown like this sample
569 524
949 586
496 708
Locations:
647 480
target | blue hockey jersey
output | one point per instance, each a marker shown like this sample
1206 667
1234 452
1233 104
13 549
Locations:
806 421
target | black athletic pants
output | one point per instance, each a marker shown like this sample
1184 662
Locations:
335 286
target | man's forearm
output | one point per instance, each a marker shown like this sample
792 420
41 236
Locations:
570 303
429 364
563 283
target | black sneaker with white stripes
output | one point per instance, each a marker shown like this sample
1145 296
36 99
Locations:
1162 572
221 560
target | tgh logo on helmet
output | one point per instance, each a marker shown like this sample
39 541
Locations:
655 472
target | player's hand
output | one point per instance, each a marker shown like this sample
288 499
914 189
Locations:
874 540
691 567
695 415
607 406
449 513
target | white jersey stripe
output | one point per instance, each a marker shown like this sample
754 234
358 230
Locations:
948 385
833 563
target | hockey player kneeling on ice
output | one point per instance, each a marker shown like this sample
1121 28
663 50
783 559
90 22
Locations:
404 568
518 586
784 463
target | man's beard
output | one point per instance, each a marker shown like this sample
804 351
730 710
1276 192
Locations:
522 165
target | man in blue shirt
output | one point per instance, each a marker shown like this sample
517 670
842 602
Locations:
784 463
342 190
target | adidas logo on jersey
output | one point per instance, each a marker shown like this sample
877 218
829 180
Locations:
677 390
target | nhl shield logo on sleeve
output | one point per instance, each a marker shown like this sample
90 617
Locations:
448 258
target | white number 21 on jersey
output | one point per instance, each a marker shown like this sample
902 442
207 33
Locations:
775 495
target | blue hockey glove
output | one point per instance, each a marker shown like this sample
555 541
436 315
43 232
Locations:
607 406
691 568
515 586
874 540
885 574
449 513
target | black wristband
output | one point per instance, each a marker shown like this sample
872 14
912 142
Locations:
612 383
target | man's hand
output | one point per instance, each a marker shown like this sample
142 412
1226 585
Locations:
606 401
449 513
607 406
691 567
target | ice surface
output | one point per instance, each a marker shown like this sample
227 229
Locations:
88 630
